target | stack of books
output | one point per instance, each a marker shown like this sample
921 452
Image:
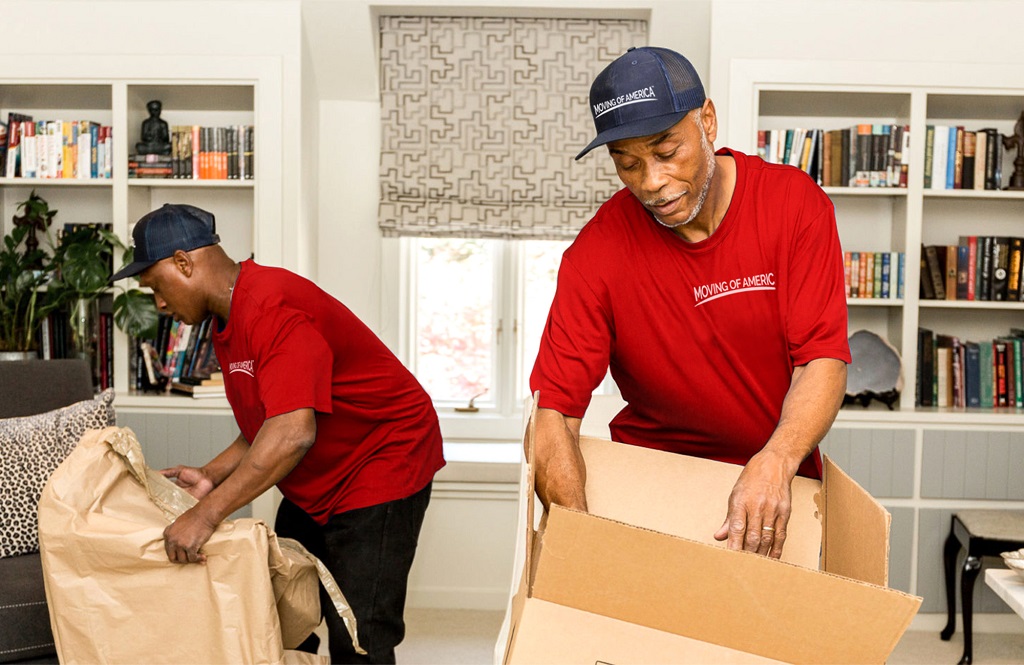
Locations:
80 149
864 155
198 388
977 268
959 373
955 158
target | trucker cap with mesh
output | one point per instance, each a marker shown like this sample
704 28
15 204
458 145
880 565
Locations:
645 91
173 226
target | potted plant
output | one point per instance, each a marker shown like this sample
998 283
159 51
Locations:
22 305
68 275
24 271
83 261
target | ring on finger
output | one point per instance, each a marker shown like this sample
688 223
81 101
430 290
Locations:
768 528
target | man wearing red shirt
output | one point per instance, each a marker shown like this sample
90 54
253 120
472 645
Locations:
326 413
712 287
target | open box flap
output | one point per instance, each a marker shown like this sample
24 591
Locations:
735 599
686 496
855 542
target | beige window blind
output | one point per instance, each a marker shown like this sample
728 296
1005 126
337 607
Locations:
481 119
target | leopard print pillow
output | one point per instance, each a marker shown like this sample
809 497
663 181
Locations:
31 448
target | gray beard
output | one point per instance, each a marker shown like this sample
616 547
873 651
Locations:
711 164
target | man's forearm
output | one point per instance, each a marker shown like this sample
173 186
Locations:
814 397
561 474
221 466
277 449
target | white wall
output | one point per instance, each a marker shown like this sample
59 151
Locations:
895 31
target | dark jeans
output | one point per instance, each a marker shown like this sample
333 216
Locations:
369 551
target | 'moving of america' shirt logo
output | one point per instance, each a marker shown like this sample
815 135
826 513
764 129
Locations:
244 366
707 292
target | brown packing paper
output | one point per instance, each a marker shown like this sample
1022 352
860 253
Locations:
115 598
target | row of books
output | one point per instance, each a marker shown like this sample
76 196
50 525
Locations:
864 155
963 374
874 274
56 341
201 153
955 158
977 268
180 353
79 149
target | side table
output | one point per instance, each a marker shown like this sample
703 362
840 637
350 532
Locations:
978 533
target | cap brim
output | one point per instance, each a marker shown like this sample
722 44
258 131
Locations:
632 130
131 270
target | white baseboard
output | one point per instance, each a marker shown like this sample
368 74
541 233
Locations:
983 623
458 598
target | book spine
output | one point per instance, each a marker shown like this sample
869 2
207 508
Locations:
887 273
950 271
1013 276
1000 395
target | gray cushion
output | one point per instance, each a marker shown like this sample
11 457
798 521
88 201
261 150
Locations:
24 618
31 448
28 387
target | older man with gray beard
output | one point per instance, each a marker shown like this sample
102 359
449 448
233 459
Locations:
712 286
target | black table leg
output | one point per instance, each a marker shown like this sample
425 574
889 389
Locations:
972 566
949 554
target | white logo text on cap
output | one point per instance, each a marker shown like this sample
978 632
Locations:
642 95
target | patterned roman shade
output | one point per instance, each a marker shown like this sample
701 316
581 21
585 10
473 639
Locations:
481 119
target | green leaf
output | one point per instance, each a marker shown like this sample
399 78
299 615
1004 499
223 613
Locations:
135 313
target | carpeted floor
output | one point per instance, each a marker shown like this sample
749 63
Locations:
466 637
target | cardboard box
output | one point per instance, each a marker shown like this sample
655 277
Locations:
640 579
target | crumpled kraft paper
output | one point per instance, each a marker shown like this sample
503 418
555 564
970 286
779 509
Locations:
115 598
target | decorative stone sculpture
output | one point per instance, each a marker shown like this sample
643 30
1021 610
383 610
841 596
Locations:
876 371
156 139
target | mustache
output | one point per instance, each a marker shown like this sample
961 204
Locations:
662 200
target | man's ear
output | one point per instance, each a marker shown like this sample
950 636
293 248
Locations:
710 119
183 262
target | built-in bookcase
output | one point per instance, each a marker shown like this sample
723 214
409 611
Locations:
193 91
783 94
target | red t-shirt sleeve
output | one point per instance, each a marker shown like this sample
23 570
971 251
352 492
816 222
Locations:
295 363
575 346
817 321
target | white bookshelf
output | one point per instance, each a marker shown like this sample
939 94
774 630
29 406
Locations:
777 94
193 90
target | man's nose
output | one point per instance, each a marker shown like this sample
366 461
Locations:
655 177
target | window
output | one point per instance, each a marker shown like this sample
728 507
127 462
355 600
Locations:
476 312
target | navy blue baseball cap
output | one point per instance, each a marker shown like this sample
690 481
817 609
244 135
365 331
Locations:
160 233
645 91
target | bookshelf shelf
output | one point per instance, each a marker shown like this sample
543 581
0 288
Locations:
151 183
1001 417
971 304
975 194
866 191
150 402
57 182
874 302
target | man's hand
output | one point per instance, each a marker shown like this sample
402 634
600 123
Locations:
188 533
760 505
193 480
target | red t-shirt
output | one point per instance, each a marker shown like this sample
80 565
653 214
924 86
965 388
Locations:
701 338
289 345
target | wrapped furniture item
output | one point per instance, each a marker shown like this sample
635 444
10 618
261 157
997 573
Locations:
115 598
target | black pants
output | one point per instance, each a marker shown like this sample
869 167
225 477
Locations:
369 551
